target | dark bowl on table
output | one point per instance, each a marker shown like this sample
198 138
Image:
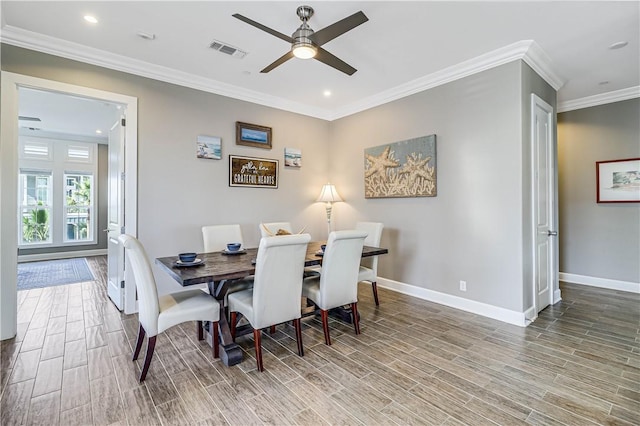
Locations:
233 246
322 247
187 257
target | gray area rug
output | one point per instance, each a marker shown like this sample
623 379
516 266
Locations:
53 272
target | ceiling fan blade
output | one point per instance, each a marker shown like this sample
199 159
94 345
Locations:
334 30
333 61
281 60
263 28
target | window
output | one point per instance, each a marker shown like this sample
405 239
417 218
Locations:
35 207
78 207
57 204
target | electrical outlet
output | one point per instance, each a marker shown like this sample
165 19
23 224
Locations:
463 286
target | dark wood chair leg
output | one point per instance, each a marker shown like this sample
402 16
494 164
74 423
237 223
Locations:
325 326
234 320
200 333
214 339
147 359
141 334
374 286
272 329
257 338
356 320
296 324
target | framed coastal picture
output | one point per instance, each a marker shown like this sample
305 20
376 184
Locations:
253 135
618 181
253 172
292 157
401 169
209 147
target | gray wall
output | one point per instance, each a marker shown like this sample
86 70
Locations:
472 230
597 240
179 193
103 168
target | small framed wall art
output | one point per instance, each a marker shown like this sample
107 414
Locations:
209 147
618 181
253 135
292 157
253 172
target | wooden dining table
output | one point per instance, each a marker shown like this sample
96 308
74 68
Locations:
219 268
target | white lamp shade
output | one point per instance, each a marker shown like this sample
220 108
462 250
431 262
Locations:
329 194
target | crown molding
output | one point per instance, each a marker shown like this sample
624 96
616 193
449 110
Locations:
526 50
78 52
601 99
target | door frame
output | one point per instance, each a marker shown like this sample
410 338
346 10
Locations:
10 83
554 293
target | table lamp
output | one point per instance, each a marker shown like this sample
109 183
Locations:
329 195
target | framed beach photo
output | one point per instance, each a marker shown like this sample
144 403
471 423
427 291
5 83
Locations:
292 157
209 147
253 135
618 181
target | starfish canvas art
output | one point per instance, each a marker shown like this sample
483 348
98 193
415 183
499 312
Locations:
401 169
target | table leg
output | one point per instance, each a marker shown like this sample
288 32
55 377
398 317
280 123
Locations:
230 352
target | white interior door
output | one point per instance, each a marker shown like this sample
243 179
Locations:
116 217
545 241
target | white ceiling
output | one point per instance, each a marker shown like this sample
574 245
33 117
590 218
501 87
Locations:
403 48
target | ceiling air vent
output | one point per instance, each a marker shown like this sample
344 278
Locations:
229 50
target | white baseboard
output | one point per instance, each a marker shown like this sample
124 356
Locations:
490 311
61 255
600 282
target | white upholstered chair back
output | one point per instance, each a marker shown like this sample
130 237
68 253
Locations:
278 279
273 227
148 306
216 237
374 234
340 265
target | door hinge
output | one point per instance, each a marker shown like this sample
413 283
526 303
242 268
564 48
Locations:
122 229
122 175
122 284
123 122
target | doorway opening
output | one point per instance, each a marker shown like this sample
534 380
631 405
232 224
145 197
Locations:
76 219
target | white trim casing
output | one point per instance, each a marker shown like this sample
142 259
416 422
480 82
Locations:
628 286
479 308
9 175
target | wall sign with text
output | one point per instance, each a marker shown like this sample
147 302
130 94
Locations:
253 172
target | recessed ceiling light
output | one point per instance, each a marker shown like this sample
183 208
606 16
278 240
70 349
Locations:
327 93
618 45
91 19
99 131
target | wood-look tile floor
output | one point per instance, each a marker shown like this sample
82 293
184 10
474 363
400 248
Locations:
415 362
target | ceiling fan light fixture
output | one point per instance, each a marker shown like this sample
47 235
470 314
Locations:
304 50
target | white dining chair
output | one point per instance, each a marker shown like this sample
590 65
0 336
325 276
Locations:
277 288
216 238
157 314
337 284
369 265
272 228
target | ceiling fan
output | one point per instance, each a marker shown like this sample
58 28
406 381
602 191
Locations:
305 43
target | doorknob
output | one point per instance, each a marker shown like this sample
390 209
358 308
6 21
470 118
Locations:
552 233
